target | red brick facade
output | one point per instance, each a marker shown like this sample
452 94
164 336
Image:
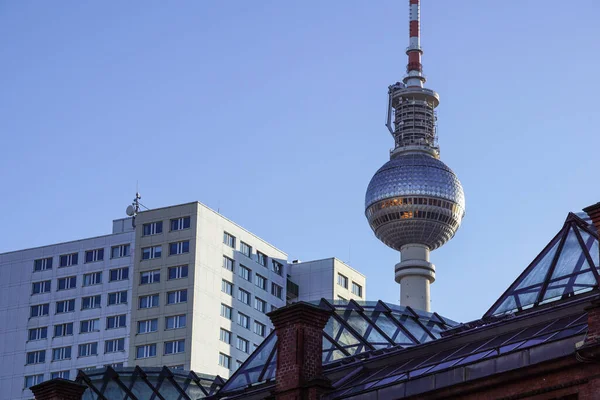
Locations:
299 330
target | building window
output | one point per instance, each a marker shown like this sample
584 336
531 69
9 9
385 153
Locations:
178 224
228 263
152 228
67 260
90 302
65 306
61 353
94 255
119 274
147 326
63 329
238 364
119 251
38 333
177 296
117 298
260 305
356 289
229 240
227 287
243 344
243 320
88 349
341 298
244 296
179 248
244 272
60 374
40 287
273 308
260 281
277 267
39 310
149 253
225 336
42 264
224 361
262 258
149 277
246 249
342 281
89 325
70 282
36 357
260 329
178 272
114 345
116 321
276 290
149 301
226 311
115 365
94 278
178 367
175 322
175 346
145 351
32 380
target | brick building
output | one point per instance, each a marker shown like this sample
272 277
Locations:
540 340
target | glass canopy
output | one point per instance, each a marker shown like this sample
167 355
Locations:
568 265
353 328
148 383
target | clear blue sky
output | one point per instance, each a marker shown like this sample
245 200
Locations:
273 112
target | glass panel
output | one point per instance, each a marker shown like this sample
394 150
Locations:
387 326
528 298
415 329
250 371
585 279
538 273
555 289
571 257
592 245
508 304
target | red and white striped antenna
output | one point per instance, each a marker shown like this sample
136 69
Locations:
414 69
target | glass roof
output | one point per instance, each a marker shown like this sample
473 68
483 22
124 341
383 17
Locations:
148 383
568 265
353 328
485 348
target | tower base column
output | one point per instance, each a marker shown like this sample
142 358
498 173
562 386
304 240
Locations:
415 273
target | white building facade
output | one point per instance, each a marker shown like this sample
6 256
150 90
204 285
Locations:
180 286
64 307
329 278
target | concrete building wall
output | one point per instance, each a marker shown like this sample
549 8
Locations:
319 279
16 278
206 272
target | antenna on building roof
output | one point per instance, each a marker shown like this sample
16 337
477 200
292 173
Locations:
134 208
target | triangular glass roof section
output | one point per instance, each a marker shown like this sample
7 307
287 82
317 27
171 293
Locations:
354 327
568 265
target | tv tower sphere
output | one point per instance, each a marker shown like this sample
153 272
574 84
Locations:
414 202
414 198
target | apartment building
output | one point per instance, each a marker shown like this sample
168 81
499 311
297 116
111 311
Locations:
201 290
64 307
329 278
181 286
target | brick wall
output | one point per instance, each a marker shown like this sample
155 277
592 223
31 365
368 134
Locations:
299 330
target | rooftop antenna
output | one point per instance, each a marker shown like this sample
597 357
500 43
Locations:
134 208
